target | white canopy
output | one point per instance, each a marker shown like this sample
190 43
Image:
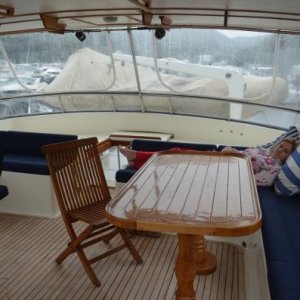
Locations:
90 70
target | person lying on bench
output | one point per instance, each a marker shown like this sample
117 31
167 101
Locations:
266 164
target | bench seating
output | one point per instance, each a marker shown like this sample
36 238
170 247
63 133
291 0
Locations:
23 151
281 237
3 188
3 191
26 174
280 226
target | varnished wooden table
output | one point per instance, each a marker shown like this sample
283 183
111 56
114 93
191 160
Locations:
193 194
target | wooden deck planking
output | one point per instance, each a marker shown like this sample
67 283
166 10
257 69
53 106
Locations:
28 269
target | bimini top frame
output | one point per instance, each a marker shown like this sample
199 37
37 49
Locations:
60 16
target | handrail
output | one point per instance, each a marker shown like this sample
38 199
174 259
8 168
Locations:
200 97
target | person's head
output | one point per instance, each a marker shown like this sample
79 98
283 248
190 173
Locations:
284 149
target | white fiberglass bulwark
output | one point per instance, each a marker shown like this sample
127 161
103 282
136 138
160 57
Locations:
241 76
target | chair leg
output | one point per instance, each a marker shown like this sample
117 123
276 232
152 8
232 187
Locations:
130 246
87 266
75 242
85 262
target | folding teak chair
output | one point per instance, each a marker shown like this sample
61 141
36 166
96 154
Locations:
82 194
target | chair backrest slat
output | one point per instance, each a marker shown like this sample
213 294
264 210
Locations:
77 173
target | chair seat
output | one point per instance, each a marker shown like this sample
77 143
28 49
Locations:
92 214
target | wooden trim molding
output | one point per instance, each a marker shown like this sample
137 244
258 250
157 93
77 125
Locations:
51 23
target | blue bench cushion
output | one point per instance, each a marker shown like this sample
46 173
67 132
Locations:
281 232
2 148
150 145
31 164
123 175
3 191
221 147
23 151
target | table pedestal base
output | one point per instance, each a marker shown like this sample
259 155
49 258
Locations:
206 263
192 259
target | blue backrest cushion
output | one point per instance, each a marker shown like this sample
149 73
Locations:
288 180
31 142
2 148
220 147
152 145
3 191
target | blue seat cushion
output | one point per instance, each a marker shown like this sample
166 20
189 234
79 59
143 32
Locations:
23 151
284 281
30 164
281 232
123 175
3 191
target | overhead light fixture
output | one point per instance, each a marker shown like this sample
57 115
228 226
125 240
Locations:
80 35
166 22
160 33
110 19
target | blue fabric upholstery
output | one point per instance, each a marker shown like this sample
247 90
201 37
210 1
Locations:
2 148
30 143
281 236
23 151
220 147
31 164
153 145
3 188
123 175
3 191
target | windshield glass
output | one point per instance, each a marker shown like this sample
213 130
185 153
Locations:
224 74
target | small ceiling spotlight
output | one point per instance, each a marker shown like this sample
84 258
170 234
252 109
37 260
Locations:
80 35
110 19
160 33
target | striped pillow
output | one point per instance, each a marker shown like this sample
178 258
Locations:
292 132
288 180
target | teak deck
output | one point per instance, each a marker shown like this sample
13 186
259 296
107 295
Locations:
28 270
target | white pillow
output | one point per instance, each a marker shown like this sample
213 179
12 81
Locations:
288 180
